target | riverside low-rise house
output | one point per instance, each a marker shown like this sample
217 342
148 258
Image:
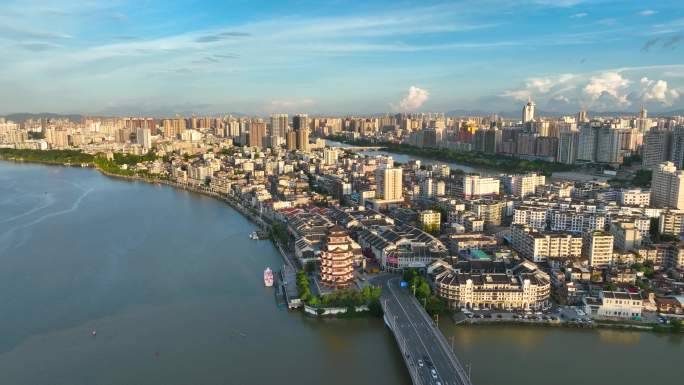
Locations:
615 304
491 285
670 305
622 276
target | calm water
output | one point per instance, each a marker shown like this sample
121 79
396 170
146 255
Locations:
403 158
170 281
173 286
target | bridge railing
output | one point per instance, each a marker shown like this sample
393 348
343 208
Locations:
465 378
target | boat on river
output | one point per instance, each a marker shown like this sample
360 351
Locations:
268 277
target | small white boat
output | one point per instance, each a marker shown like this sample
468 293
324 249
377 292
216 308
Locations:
254 235
268 277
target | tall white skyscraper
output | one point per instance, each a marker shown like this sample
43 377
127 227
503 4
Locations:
667 186
389 183
528 112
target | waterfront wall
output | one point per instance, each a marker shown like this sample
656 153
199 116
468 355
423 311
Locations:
332 311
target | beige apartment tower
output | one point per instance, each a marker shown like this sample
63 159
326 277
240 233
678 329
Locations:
389 183
667 187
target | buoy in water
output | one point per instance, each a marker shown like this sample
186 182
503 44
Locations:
93 333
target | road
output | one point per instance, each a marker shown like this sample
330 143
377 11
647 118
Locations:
419 338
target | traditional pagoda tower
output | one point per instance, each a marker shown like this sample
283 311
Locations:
337 259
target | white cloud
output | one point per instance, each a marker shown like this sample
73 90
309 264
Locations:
519 95
579 15
290 105
607 83
647 12
415 99
658 91
536 86
612 89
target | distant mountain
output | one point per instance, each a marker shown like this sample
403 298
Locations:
679 112
471 113
23 116
517 114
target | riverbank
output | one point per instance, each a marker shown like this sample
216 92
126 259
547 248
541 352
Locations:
54 157
264 222
72 158
460 319
171 282
254 217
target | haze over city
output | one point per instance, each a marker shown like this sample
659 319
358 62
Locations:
332 57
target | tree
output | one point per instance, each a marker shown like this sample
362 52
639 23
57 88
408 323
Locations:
423 288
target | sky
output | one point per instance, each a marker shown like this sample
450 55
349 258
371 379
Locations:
152 57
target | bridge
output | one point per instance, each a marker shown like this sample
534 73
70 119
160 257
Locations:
427 355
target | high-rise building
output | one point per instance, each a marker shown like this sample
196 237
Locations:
475 186
625 235
291 141
677 147
656 149
543 246
144 137
582 117
173 128
586 149
257 131
522 185
300 121
597 246
330 156
608 149
667 187
427 188
279 125
302 138
487 141
389 183
337 258
233 129
528 112
568 145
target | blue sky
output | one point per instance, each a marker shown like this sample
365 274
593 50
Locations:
260 57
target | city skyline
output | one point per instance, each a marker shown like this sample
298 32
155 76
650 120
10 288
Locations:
123 58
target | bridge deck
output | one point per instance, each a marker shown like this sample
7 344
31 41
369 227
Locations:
419 339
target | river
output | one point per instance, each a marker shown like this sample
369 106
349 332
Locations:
580 175
403 158
173 286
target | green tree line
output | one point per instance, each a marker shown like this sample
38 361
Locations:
419 285
46 156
